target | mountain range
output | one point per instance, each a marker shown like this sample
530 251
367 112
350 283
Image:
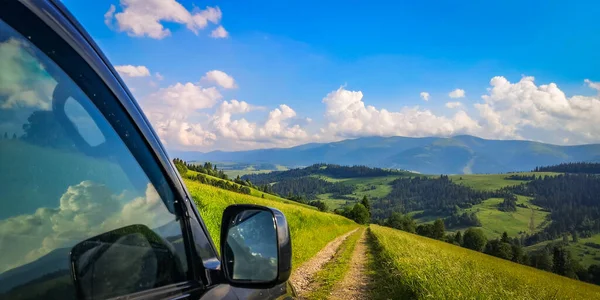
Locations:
462 154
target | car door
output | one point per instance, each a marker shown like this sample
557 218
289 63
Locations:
86 167
80 164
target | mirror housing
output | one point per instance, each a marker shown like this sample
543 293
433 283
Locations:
122 261
256 246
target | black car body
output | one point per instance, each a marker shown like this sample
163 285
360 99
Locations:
64 273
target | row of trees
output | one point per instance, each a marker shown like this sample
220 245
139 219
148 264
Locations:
520 177
223 184
5 137
310 187
572 167
330 170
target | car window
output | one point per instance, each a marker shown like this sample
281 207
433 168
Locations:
66 177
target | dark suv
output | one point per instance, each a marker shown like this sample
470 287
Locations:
90 205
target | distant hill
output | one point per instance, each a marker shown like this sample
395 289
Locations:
432 155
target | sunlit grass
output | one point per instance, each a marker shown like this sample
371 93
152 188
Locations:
415 267
311 230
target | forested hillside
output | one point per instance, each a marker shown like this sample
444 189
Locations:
333 171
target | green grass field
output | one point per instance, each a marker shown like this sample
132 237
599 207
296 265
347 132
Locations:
311 230
490 182
256 193
372 187
494 222
414 267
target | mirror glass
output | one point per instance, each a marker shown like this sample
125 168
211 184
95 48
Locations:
84 123
251 248
123 261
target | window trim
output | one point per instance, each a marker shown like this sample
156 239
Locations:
49 28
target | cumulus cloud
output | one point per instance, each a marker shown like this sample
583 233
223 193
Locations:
24 81
85 210
219 33
424 96
509 109
457 93
158 76
170 110
276 130
348 116
221 78
145 17
453 104
133 71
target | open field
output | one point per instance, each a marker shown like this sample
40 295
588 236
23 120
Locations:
311 230
490 182
414 267
257 193
494 222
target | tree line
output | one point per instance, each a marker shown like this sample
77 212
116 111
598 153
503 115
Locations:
435 196
310 187
572 167
330 170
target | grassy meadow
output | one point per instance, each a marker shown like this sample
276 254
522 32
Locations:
311 230
494 222
414 267
490 182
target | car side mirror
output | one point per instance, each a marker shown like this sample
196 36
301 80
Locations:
122 261
256 246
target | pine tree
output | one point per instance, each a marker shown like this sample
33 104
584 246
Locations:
438 229
504 238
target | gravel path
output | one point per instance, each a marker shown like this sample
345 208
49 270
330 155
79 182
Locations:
354 285
302 277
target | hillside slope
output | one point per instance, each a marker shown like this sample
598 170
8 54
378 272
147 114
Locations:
415 267
433 155
311 230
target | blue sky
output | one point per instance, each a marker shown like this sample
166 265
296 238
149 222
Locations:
313 71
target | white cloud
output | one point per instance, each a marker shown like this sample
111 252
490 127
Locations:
219 33
24 81
185 97
348 116
457 93
133 71
221 78
158 76
144 17
424 96
108 16
276 130
453 104
85 209
593 85
510 109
